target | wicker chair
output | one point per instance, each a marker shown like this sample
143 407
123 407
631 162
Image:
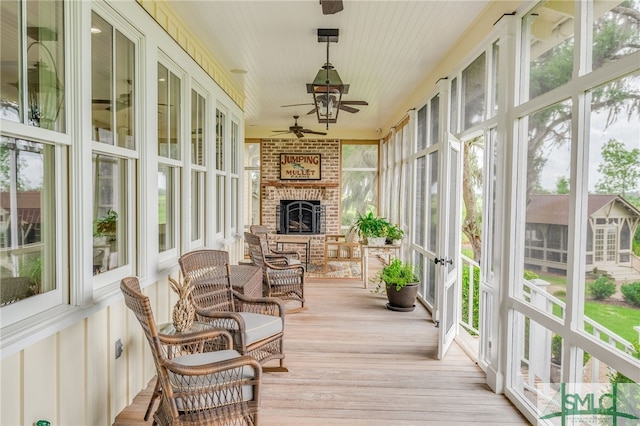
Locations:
293 257
257 323
282 280
199 386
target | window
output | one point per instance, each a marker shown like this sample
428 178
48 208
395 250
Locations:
251 184
33 174
169 103
221 192
33 89
549 33
112 85
235 146
27 219
473 92
114 155
359 181
198 114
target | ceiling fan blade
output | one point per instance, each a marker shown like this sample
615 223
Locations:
313 111
329 7
299 134
280 133
354 103
313 133
284 106
348 108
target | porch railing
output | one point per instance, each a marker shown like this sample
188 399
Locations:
535 293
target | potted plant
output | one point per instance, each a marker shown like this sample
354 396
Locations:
394 234
371 227
105 228
401 285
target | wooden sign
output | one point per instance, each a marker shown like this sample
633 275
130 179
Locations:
300 166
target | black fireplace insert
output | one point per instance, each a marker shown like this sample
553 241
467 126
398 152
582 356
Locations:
300 217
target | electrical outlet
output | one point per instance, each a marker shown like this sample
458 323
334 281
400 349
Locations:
119 348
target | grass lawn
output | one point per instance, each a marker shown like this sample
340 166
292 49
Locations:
618 319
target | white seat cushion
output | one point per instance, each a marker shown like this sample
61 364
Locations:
259 326
207 400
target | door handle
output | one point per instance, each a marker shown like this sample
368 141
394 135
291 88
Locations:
443 261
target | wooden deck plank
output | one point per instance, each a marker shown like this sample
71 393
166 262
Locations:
353 362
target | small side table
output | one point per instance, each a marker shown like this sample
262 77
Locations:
299 240
388 250
247 279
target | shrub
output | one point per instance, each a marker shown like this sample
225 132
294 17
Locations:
631 293
560 293
602 288
530 275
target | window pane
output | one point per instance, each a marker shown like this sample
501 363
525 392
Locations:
101 78
234 203
360 156
421 143
615 31
252 202
435 120
27 203
252 155
433 218
169 101
359 181
550 38
197 205
109 213
220 145
45 64
220 189
125 91
454 106
495 76
613 214
163 111
421 197
10 57
167 197
234 147
112 85
197 128
473 92
547 210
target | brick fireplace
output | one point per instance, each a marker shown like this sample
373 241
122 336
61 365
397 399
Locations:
325 192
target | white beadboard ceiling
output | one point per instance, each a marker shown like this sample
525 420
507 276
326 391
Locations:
385 49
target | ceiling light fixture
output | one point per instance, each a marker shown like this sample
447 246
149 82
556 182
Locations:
327 88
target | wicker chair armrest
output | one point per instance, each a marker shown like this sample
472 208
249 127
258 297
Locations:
286 254
195 342
259 305
276 259
215 368
284 267
217 315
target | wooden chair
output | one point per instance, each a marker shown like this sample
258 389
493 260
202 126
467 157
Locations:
256 323
293 257
337 248
282 280
198 386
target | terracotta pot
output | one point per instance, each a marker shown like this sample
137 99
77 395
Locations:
403 300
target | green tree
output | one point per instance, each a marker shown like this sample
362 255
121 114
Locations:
620 169
471 186
562 185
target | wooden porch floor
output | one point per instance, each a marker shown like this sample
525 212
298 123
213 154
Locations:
353 362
